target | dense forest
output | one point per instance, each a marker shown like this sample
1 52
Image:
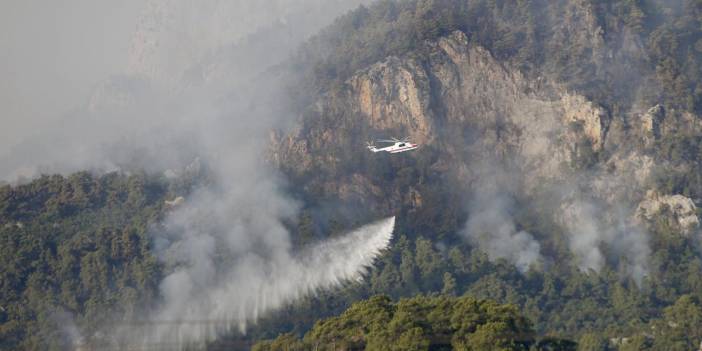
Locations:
78 248
643 53
420 323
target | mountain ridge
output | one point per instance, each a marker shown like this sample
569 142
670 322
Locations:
559 172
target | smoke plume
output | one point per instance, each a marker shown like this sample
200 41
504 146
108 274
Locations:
584 236
490 226
201 83
190 67
262 274
492 230
592 229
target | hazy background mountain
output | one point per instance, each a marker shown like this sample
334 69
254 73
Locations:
559 172
54 54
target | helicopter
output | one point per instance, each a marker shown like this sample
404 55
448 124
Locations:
398 145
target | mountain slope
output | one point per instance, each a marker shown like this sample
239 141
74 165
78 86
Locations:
420 323
75 248
548 131
559 172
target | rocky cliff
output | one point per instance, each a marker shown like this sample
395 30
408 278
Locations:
483 124
460 100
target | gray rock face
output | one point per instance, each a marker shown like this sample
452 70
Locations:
680 209
460 100
487 121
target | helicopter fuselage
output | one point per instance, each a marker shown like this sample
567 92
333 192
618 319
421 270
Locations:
398 147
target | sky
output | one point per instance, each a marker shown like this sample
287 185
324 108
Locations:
58 51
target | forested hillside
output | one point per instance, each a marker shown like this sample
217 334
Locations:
420 323
606 49
562 129
559 173
75 248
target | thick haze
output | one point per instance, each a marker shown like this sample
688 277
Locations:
172 85
53 53
191 91
85 92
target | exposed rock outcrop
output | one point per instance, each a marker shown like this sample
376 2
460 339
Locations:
481 123
457 98
680 209
591 119
394 93
651 122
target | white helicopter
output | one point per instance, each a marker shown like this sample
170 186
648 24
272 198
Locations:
396 147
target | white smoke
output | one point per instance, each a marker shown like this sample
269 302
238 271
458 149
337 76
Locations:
69 332
584 236
591 229
490 226
191 65
199 85
260 276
